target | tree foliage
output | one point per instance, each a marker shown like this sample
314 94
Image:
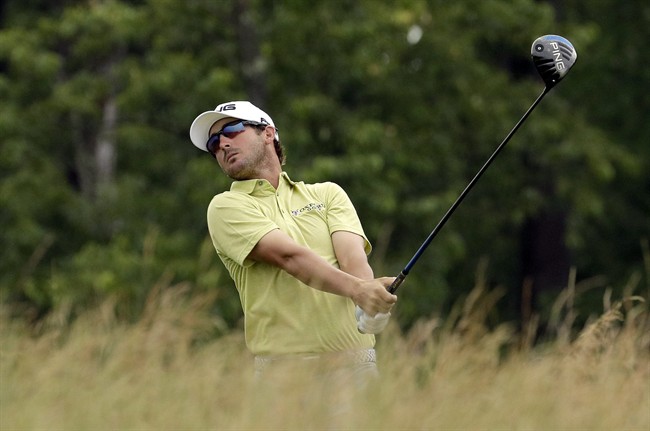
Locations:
400 102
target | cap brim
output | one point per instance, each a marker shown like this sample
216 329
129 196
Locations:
200 128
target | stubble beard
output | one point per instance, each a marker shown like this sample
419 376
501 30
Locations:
250 166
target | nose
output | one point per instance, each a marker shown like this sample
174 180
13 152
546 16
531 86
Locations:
224 142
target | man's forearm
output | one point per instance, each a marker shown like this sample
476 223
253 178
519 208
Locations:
317 273
350 253
359 269
277 248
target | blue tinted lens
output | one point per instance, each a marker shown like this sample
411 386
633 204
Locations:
233 128
213 143
229 131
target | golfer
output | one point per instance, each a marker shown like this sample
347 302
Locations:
296 252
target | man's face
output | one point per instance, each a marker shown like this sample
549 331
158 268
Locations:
240 153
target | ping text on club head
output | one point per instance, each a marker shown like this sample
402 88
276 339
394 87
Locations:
557 56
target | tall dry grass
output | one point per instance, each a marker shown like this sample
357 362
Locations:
165 373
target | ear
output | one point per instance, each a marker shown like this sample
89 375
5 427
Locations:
269 134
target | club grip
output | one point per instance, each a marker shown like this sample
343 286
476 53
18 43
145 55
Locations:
397 282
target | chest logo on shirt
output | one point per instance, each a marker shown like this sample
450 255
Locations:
314 206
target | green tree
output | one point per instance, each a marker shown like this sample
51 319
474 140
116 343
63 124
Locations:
400 102
615 99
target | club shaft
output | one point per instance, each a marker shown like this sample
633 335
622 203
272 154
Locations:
400 278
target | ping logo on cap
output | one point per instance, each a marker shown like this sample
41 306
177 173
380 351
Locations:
226 107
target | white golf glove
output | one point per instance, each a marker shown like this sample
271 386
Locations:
371 325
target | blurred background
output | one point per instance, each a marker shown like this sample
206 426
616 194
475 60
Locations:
103 196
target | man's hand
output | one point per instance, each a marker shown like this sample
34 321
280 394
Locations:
371 325
372 297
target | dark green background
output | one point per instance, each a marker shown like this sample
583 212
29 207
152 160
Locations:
102 194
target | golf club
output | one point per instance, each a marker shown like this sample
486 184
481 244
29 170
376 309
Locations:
553 57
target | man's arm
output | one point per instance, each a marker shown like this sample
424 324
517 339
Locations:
351 255
277 248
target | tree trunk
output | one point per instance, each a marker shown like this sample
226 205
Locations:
95 145
105 148
545 260
252 64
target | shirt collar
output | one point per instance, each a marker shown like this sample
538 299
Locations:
259 185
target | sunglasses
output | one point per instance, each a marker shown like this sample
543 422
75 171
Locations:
230 130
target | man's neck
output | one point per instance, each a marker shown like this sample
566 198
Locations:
271 175
273 179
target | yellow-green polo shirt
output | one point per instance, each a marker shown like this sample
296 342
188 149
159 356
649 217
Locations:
282 315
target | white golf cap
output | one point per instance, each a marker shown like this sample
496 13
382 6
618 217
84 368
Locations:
242 110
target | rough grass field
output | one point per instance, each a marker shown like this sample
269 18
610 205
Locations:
165 373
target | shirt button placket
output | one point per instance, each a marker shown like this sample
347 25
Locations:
278 202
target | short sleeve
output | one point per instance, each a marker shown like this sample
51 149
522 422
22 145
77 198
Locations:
341 214
236 224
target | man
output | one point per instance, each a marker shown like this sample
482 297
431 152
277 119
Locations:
296 251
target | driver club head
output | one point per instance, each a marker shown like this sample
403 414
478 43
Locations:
553 57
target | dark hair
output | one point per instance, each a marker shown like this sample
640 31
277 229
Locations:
279 150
